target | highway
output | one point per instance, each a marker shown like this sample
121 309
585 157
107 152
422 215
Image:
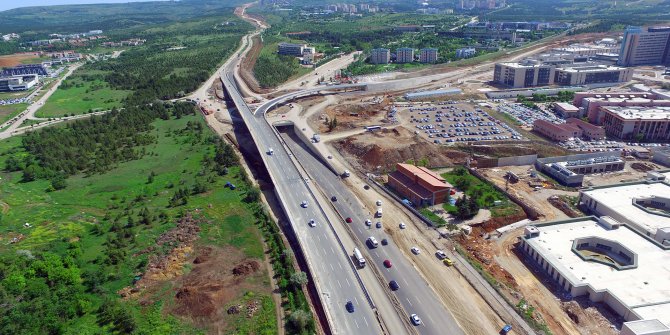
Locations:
414 294
330 265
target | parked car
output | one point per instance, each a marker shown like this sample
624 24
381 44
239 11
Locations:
379 224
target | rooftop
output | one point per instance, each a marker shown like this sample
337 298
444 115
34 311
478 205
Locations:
642 288
567 106
619 199
593 68
640 112
426 175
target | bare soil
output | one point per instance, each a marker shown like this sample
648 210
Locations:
16 59
247 66
387 147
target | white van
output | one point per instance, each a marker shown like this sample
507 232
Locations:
359 257
372 242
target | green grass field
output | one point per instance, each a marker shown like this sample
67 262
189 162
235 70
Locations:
9 111
82 210
79 93
486 195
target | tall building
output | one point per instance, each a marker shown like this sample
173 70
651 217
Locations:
404 55
524 74
380 56
532 73
428 55
640 47
465 52
638 123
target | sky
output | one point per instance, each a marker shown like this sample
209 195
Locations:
9 4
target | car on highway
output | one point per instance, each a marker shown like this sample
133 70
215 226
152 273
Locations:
393 285
348 220
379 224
415 250
448 262
416 320
333 198
350 306
372 242
312 223
385 242
368 223
505 330
440 254
304 204
387 264
403 225
379 202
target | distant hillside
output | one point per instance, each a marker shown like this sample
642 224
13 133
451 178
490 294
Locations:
37 22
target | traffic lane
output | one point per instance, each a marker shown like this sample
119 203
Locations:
417 298
338 285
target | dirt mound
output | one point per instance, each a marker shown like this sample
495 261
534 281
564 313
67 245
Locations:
246 268
204 254
198 301
387 147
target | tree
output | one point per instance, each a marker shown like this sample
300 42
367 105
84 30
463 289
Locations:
298 279
253 195
150 178
58 182
299 320
13 164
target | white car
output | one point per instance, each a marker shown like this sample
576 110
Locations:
416 320
415 250
440 254
403 225
312 223
303 204
368 222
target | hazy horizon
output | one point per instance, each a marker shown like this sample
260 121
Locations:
7 5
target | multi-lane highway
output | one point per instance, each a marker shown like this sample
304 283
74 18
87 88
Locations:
414 293
332 270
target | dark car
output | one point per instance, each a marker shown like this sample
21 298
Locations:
387 263
385 242
333 198
350 306
393 285
348 220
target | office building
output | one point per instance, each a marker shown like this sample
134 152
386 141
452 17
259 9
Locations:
419 185
590 50
380 56
531 73
637 123
18 83
590 102
566 110
19 70
428 55
465 52
589 131
404 55
557 132
645 47
524 74
570 170
291 49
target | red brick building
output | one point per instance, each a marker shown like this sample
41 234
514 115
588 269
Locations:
419 184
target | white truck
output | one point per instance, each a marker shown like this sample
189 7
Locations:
359 258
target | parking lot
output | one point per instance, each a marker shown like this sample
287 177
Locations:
452 122
527 116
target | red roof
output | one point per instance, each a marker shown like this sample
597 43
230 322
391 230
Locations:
426 175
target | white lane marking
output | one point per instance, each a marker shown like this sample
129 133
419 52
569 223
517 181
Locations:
356 299
340 264
431 319
331 249
406 283
376 253
349 284
318 237
417 299
338 283
324 251
356 323
366 321
331 267
410 303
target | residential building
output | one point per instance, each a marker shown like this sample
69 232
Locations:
380 56
557 132
408 28
428 55
570 170
645 47
404 55
291 49
465 52
589 131
566 110
10 36
419 185
637 123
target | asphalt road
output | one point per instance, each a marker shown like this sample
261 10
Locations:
330 265
414 294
